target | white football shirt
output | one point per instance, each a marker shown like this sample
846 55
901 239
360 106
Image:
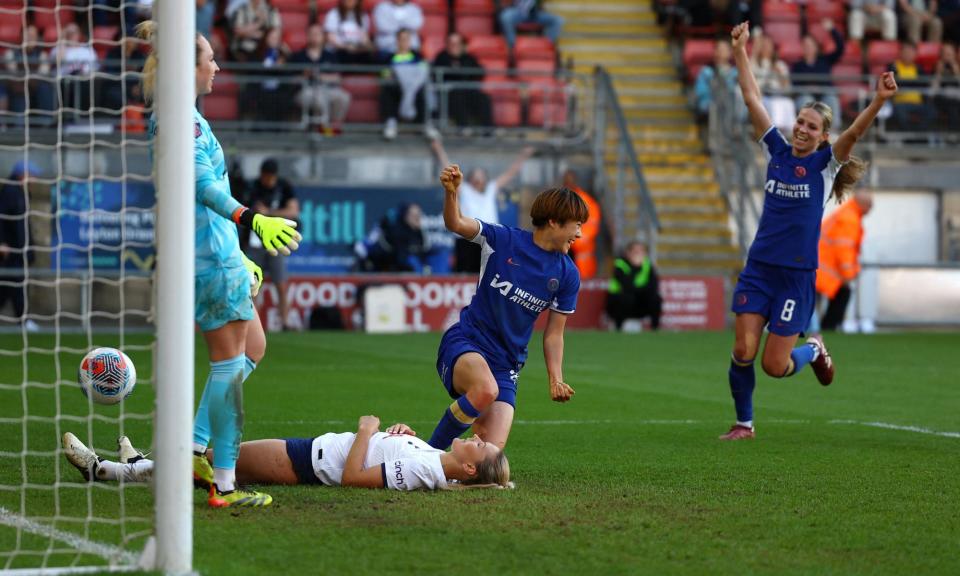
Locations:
480 205
406 462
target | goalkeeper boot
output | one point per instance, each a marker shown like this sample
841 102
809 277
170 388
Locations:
83 459
126 453
237 498
202 472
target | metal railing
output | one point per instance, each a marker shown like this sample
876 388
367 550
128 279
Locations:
628 178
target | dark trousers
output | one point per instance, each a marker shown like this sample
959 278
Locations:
640 304
13 288
470 107
836 309
467 256
390 97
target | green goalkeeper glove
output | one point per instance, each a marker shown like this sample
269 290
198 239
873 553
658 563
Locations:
277 234
256 275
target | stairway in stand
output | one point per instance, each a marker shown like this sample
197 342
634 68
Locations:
623 36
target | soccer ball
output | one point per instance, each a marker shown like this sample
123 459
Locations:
106 375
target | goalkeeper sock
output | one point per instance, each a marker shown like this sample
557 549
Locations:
201 425
742 382
139 471
456 419
801 356
225 478
225 406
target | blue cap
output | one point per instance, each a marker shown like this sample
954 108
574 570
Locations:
24 167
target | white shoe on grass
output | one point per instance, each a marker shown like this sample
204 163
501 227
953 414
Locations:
83 459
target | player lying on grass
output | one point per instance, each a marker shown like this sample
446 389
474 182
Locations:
776 288
395 459
521 275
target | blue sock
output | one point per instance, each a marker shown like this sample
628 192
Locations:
201 424
742 382
801 356
456 419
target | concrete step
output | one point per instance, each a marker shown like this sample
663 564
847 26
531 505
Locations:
653 145
657 71
728 250
633 44
673 159
706 228
715 242
668 187
635 10
678 101
658 130
697 266
642 113
689 203
635 26
633 83
608 60
695 174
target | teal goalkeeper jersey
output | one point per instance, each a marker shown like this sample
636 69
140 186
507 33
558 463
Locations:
218 244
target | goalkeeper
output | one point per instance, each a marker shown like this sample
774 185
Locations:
223 309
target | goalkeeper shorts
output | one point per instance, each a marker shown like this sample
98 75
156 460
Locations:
222 296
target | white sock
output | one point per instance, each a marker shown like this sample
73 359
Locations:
139 471
199 448
816 352
747 424
225 478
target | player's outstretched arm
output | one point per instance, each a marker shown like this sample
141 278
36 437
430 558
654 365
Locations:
886 89
455 222
560 391
353 471
278 235
748 84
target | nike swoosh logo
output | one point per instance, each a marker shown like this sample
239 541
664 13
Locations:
511 262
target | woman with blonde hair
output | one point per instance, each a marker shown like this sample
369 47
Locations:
776 287
224 283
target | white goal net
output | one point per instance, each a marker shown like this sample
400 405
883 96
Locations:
77 261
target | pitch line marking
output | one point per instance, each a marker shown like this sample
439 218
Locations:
650 422
105 551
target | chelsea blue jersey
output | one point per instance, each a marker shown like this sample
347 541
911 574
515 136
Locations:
795 194
218 244
518 281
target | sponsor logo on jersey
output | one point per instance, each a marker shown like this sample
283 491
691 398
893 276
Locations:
511 262
196 130
553 284
800 171
398 472
784 190
520 296
741 299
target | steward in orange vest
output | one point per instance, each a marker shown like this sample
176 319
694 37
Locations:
840 237
584 250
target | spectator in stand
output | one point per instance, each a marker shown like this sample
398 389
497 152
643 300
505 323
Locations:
841 236
392 16
773 78
249 27
811 74
634 290
126 56
946 87
873 15
523 11
949 13
721 75
468 106
78 61
396 244
273 196
206 12
479 198
911 112
916 13
584 250
270 98
322 98
348 32
15 251
40 88
403 96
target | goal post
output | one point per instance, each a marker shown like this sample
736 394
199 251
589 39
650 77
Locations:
175 271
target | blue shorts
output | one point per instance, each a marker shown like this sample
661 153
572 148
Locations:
784 296
223 295
455 344
299 452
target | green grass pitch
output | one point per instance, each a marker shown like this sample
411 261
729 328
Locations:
627 478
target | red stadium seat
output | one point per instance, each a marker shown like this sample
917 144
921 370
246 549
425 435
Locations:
474 8
105 33
44 18
505 97
220 107
432 6
506 113
225 84
782 32
365 111
882 53
546 89
497 66
296 38
298 5
294 20
488 47
852 54
845 74
431 46
696 54
323 6
434 25
536 68
10 33
820 9
548 114
780 12
534 48
927 55
362 87
470 26
790 52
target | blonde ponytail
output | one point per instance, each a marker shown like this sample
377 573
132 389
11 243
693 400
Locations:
147 31
847 177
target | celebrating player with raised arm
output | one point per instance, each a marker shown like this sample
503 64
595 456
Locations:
395 459
223 308
776 287
521 275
